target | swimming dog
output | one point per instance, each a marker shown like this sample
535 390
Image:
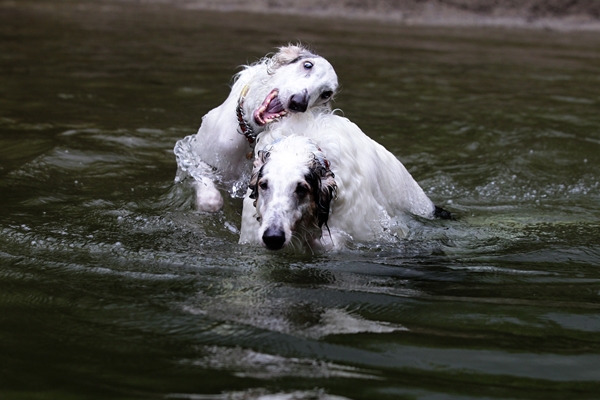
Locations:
292 81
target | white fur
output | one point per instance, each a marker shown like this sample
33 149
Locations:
287 195
217 153
373 187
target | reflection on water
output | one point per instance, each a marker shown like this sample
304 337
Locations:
112 285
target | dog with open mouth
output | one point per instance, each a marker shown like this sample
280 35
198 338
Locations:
292 81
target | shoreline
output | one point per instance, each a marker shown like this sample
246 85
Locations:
563 15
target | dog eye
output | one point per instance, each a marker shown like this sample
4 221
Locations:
327 94
301 190
264 185
308 65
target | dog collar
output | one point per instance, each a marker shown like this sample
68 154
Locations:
244 127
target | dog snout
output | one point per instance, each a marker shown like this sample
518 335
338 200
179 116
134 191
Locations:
274 238
299 101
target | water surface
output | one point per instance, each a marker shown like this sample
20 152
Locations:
112 286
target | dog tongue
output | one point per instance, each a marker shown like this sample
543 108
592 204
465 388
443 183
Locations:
274 107
270 109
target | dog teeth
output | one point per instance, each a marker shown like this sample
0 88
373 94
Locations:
275 116
260 111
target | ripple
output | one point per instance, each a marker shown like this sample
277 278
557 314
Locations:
260 394
245 363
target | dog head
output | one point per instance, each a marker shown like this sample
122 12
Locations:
293 187
296 80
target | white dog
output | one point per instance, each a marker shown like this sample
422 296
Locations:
294 80
295 181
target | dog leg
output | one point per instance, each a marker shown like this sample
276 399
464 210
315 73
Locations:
208 197
250 226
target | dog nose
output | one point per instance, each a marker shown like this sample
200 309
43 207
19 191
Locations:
273 238
299 101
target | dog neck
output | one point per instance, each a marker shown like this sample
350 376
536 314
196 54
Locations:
244 127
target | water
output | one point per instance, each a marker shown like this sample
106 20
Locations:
112 286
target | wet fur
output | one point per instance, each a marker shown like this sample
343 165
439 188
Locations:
300 219
219 150
376 195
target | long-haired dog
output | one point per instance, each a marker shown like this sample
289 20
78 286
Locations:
362 186
292 188
292 81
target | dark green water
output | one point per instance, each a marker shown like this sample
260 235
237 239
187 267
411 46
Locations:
112 286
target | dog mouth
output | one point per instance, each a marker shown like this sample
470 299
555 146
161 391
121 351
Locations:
270 109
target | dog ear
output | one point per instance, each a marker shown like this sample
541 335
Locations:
326 194
289 54
259 162
324 188
261 158
253 185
